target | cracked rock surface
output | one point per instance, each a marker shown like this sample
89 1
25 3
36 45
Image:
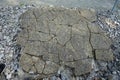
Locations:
54 37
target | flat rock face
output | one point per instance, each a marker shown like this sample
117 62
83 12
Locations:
54 37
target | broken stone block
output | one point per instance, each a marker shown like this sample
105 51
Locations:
51 57
100 41
80 43
95 28
34 48
83 66
63 34
26 62
54 37
67 55
105 55
89 14
79 25
50 67
39 65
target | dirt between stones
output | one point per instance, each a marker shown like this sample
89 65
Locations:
54 37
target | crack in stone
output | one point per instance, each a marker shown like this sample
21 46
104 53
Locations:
44 68
93 50
40 56
35 17
83 16
70 35
28 34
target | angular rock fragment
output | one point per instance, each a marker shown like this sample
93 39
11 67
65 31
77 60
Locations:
89 14
63 34
105 55
95 28
83 66
50 67
39 66
26 62
99 41
55 37
81 45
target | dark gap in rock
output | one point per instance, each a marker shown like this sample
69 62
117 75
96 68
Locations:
17 51
94 22
69 25
60 76
27 78
113 47
2 66
94 54
17 48
14 37
22 28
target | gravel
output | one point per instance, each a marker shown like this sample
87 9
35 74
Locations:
10 52
9 28
113 31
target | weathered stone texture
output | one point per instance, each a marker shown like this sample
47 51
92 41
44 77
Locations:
51 37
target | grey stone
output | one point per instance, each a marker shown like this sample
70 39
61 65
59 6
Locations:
26 62
81 45
95 28
50 67
99 41
55 37
105 55
83 66
34 48
63 34
51 57
89 14
39 65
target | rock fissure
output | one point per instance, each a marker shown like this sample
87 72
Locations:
94 54
93 50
